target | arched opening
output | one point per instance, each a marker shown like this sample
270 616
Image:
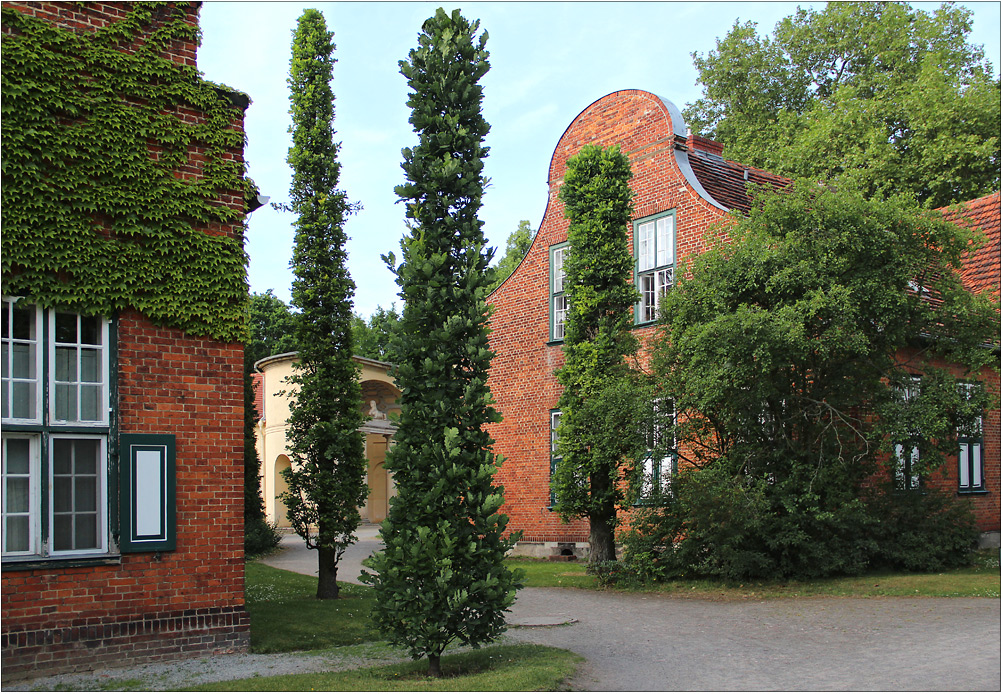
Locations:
281 487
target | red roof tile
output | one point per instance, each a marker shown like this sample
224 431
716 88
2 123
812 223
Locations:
727 180
980 270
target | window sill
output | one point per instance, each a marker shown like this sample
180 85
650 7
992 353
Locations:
35 563
972 492
555 343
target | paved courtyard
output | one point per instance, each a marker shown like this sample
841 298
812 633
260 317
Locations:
637 642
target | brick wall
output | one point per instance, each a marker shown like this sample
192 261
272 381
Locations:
151 606
522 373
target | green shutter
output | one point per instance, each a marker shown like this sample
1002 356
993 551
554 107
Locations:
147 493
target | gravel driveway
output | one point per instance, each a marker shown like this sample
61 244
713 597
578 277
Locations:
656 643
636 642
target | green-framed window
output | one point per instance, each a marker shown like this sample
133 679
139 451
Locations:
659 467
555 458
558 297
57 421
907 449
655 253
971 473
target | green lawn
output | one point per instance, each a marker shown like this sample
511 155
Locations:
519 668
285 615
982 580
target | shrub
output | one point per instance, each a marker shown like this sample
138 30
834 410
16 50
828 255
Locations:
926 530
260 537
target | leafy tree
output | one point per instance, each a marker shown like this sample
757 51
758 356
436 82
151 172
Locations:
516 248
790 354
599 402
326 483
273 327
441 577
373 338
875 95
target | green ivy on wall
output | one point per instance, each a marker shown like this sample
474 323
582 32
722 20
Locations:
110 180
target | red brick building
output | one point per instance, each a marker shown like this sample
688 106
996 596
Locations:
682 185
122 442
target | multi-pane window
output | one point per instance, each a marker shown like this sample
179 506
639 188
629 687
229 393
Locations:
655 241
558 298
659 466
970 446
907 450
56 425
555 458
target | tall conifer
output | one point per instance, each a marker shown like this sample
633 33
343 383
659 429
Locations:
441 578
326 482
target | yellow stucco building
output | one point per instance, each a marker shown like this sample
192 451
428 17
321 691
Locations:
380 398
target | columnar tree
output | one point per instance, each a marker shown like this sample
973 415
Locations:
805 356
599 431
441 578
516 247
326 481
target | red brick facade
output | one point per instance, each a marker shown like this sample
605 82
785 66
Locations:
673 170
69 615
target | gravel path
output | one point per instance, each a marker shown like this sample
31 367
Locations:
635 642
657 643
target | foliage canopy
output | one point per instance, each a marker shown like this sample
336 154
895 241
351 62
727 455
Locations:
875 95
791 354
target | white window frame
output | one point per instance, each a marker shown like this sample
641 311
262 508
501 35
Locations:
971 452
102 495
34 494
9 380
558 295
46 429
79 346
907 452
655 254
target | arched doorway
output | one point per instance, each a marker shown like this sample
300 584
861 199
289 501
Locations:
281 487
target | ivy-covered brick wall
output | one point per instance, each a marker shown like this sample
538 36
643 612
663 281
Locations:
124 196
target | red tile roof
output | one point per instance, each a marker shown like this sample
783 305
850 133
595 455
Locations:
727 180
980 270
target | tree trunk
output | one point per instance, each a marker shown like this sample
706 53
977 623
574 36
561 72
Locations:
433 666
601 540
327 574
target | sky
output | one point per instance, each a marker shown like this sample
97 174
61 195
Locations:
549 61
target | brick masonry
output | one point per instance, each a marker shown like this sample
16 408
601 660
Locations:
60 617
672 171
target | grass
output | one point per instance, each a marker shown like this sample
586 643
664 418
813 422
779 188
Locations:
285 615
517 668
981 580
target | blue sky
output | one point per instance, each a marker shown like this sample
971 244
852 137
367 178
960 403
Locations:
549 60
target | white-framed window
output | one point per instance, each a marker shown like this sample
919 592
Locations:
971 474
558 298
660 464
56 423
655 246
907 450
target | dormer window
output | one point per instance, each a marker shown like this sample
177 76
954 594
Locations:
655 244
